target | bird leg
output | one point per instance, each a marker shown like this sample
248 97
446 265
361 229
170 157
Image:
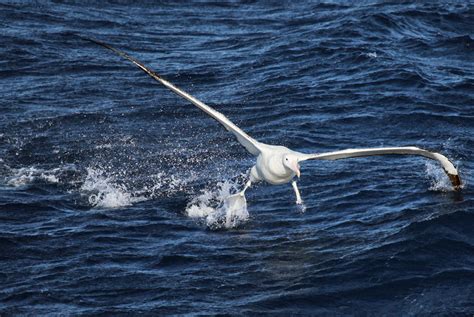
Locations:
236 207
247 185
297 193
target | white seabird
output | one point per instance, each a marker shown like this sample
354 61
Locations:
278 164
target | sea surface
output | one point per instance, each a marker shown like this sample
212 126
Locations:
112 187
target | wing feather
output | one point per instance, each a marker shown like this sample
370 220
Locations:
448 167
252 145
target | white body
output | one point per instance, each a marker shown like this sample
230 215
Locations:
269 166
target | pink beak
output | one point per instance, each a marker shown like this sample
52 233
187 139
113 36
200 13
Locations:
296 169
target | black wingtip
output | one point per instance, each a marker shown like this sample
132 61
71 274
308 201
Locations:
82 37
456 181
124 55
93 40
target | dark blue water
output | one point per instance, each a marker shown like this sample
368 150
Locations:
110 184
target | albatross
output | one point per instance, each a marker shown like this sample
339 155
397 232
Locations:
278 164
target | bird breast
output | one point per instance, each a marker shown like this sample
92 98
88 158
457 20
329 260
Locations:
270 168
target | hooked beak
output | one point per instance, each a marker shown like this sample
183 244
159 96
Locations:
296 169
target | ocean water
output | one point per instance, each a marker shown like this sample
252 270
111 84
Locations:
111 187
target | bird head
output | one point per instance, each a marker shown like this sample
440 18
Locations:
290 161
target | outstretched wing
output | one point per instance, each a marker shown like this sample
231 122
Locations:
252 145
448 167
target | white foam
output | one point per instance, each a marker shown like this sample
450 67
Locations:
104 187
108 190
104 192
101 188
28 175
372 54
212 207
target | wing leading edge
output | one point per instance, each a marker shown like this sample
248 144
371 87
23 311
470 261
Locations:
448 167
252 145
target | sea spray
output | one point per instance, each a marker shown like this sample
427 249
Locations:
106 191
103 192
32 174
211 207
439 179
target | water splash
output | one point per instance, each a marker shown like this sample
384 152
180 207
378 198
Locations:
106 186
103 191
438 178
101 187
106 191
29 175
214 208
